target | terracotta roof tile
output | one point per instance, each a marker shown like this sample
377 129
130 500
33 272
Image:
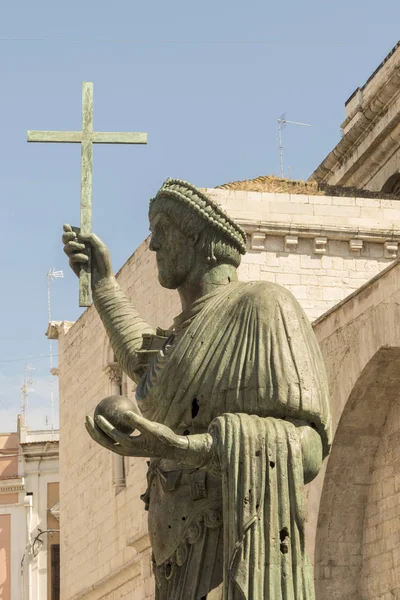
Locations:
272 184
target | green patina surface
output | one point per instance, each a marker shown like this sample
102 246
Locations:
86 138
233 408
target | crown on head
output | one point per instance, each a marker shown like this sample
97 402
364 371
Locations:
211 212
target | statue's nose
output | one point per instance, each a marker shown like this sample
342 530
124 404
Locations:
154 245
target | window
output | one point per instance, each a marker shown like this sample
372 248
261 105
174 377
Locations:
55 571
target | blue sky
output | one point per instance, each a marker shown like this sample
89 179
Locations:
199 79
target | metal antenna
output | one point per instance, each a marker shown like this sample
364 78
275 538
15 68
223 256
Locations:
51 274
24 392
282 122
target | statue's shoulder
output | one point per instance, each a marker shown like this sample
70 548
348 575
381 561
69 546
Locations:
265 294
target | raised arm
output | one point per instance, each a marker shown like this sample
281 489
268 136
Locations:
122 322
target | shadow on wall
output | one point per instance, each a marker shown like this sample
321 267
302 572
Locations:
392 186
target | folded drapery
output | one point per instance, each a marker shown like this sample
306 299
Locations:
263 508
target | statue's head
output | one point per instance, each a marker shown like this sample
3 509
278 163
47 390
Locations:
191 233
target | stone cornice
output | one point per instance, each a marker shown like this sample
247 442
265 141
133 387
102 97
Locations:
373 153
257 234
312 231
12 486
56 327
45 451
361 123
140 542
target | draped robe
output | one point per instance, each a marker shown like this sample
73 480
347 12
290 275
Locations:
243 363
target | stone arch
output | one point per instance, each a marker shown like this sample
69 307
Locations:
392 185
360 341
381 536
339 543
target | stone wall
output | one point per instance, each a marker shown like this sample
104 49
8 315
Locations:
355 500
381 546
322 248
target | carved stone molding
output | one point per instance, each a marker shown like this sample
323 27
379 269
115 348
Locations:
257 240
56 327
307 231
320 245
321 235
291 243
390 249
367 110
140 542
114 372
12 486
356 245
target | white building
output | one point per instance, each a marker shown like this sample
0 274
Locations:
29 515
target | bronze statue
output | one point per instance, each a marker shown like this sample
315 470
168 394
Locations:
234 408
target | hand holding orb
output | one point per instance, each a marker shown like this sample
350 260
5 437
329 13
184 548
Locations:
114 409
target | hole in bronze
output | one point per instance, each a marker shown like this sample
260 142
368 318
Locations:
283 534
195 408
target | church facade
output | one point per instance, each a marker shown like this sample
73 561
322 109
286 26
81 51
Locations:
334 242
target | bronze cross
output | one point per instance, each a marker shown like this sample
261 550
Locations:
86 137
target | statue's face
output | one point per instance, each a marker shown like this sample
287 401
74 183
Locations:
175 251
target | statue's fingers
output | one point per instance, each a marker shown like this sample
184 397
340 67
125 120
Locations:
69 236
101 439
76 261
140 423
94 433
78 258
96 243
73 247
121 438
104 425
93 240
67 227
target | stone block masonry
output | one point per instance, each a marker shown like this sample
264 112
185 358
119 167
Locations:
321 248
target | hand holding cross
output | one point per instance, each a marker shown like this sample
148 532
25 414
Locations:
87 137
76 247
